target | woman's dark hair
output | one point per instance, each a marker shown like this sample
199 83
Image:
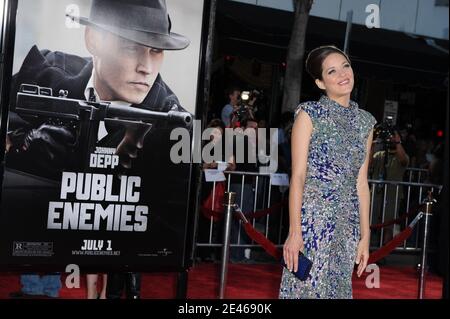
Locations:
316 57
217 123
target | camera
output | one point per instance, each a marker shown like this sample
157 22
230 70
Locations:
241 112
250 97
386 131
247 106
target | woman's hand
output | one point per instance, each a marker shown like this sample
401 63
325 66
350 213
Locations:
212 165
362 256
294 244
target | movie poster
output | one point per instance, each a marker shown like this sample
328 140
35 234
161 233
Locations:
97 88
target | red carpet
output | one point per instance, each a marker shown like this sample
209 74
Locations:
254 281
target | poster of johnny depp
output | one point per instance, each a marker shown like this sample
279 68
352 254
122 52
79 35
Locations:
96 89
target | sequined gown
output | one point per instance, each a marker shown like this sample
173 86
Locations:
330 205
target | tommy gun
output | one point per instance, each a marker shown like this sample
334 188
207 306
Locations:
36 101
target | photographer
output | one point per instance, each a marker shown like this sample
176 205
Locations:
396 159
246 108
388 164
233 94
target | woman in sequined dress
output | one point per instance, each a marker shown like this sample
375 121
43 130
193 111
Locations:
329 192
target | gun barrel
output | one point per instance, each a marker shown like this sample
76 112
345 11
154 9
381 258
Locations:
35 100
133 114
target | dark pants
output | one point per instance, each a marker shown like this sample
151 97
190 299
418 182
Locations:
118 281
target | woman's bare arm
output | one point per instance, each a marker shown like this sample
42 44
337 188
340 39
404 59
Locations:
301 136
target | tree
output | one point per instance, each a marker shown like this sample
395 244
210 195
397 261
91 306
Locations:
295 56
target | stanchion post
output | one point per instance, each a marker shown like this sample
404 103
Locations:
230 198
182 284
423 263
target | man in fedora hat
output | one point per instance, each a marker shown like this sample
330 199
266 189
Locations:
126 40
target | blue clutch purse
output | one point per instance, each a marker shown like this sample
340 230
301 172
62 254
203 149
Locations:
304 267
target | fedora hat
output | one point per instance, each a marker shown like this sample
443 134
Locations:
145 22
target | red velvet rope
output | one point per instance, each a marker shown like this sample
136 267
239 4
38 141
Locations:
272 209
390 246
398 220
268 246
216 215
208 213
273 251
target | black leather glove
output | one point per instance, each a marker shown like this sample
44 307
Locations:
131 143
48 146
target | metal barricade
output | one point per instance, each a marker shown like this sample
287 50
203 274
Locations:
254 192
416 175
396 200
